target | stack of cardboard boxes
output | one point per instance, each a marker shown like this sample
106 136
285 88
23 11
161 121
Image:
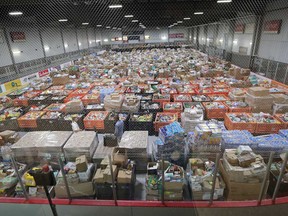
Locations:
259 99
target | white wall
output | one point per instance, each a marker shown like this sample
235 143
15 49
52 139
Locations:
30 49
275 46
82 38
109 34
69 36
157 36
202 38
91 37
52 41
5 58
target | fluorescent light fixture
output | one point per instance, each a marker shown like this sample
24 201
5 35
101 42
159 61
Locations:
16 52
99 25
114 28
80 44
97 41
65 45
119 28
163 37
105 40
85 23
190 37
147 37
63 20
46 48
113 39
90 42
250 43
221 40
224 1
208 39
115 6
194 38
128 16
15 13
175 23
179 21
134 20
235 41
187 18
198 13
108 27
120 39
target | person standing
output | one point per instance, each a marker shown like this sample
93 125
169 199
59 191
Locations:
119 127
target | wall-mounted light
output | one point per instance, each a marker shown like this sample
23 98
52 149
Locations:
221 40
16 52
235 41
65 45
163 37
198 13
147 37
63 20
97 41
99 25
46 48
128 16
79 44
105 40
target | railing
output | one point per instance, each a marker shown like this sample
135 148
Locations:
11 72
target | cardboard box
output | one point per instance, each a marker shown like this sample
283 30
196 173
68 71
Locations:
258 101
86 176
258 91
6 134
81 163
104 175
124 176
120 156
279 98
60 80
76 190
98 177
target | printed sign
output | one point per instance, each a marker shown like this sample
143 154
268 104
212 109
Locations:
239 28
273 26
12 85
17 36
29 78
43 73
176 35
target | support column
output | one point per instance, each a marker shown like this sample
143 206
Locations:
256 38
77 39
87 38
197 37
62 38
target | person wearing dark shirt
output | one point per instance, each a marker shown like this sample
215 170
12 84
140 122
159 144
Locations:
119 127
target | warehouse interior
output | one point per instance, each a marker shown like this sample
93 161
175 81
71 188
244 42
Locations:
133 107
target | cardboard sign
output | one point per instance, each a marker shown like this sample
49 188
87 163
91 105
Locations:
272 26
176 35
17 36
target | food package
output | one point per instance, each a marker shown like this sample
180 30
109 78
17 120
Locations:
74 106
258 92
113 102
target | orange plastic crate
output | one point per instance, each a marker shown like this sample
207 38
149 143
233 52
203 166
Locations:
161 101
238 109
74 97
187 98
56 107
278 117
177 111
158 124
91 123
225 98
215 113
230 125
91 99
25 122
267 128
25 101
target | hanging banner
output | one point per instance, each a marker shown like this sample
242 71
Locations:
249 28
176 35
29 78
43 73
239 28
17 36
272 26
12 85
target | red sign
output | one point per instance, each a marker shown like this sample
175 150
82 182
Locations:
176 35
273 26
239 28
17 36
43 73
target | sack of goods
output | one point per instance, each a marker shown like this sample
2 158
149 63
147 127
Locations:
200 179
74 106
131 103
113 102
237 94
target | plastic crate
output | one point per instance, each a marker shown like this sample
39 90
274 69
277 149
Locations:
48 124
23 122
230 125
267 128
109 125
280 118
186 99
56 99
79 92
142 109
158 124
87 99
187 105
65 125
223 97
58 107
161 101
90 124
74 97
177 111
141 125
238 109
104 191
21 102
197 98
9 124
215 113
35 101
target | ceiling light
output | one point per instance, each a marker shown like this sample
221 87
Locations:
63 20
97 41
115 6
221 40
80 44
250 43
85 23
108 27
16 52
90 42
113 39
15 13
194 38
175 23
119 28
99 25
147 37
105 40
180 22
114 28
134 20
187 18
198 13
224 1
128 16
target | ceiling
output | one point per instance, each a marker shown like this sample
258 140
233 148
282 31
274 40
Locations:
151 13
